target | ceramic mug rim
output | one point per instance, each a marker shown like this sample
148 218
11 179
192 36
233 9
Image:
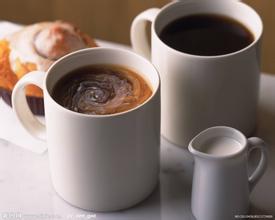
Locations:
87 51
238 136
171 5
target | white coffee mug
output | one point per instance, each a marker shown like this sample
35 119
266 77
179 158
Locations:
221 184
97 162
202 91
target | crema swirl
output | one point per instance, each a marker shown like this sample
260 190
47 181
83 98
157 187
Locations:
101 90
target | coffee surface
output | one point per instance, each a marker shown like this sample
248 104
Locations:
206 35
101 90
221 146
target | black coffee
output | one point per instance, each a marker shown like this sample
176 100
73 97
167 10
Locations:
101 89
206 35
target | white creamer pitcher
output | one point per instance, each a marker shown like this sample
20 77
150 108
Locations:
221 183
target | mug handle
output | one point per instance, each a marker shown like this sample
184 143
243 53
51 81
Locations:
253 144
139 39
22 109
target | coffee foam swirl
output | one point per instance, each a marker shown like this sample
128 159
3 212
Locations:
101 89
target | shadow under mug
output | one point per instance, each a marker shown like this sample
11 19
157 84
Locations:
198 92
97 162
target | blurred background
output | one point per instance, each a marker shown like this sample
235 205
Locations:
111 19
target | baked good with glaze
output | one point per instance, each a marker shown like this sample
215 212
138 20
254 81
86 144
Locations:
36 47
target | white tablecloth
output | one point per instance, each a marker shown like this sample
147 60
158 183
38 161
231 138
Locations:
26 190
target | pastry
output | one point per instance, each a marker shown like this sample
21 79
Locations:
36 47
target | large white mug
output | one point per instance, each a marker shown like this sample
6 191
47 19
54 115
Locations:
97 162
221 183
202 91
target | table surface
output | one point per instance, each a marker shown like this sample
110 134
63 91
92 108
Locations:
26 191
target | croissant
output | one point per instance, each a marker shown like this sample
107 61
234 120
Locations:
37 47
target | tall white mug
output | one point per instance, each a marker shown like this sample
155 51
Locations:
97 162
202 91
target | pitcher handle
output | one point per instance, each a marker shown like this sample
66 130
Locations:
253 144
